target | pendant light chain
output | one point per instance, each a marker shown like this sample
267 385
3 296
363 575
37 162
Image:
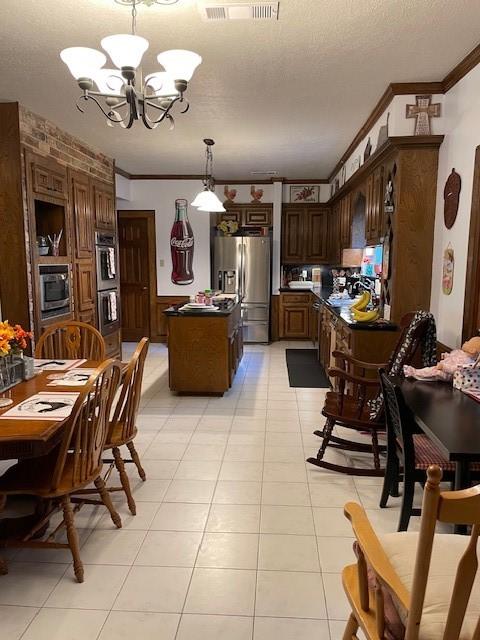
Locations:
134 17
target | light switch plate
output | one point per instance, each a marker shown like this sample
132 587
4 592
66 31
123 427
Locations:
387 309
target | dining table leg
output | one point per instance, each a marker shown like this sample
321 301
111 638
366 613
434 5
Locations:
462 481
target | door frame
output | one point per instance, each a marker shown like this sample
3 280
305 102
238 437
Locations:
149 216
472 282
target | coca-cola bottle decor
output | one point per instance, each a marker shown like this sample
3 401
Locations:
182 245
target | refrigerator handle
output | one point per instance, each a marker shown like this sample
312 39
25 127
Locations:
243 268
220 282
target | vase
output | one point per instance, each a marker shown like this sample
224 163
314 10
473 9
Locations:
11 371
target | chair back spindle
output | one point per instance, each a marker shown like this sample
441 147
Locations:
72 340
126 409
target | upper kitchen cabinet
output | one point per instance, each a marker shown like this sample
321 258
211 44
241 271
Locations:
81 202
304 234
345 211
46 176
248 215
374 221
104 204
333 250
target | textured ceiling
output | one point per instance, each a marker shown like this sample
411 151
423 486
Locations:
287 95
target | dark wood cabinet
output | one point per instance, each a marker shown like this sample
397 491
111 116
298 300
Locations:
81 203
294 315
104 204
248 215
374 228
47 177
334 251
305 234
345 222
85 286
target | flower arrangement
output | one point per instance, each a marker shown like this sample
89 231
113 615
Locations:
227 227
13 340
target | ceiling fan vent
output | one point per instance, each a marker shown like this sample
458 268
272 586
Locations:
237 11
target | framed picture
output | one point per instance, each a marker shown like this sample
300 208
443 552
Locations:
304 193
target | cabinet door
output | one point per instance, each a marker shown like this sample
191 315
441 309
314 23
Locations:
334 236
316 236
296 321
104 205
378 232
230 215
81 200
47 176
345 223
369 210
292 235
84 285
257 217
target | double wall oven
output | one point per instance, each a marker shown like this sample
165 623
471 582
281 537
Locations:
54 290
108 282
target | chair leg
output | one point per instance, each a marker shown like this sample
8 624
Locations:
124 480
72 537
407 504
107 501
375 449
351 629
136 460
390 481
327 432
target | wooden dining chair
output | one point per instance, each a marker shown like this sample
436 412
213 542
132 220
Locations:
417 586
409 454
123 428
71 339
356 401
75 463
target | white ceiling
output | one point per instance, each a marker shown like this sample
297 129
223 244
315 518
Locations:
287 95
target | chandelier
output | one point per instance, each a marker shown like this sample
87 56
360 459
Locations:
123 95
207 200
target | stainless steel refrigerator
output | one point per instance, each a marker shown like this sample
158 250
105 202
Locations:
242 265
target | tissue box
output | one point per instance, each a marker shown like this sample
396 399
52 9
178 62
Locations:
467 378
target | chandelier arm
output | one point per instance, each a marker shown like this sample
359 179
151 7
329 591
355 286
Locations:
112 115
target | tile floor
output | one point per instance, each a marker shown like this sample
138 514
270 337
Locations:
236 537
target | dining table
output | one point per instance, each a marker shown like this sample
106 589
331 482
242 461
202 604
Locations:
22 438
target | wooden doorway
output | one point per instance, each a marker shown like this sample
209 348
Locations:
138 274
471 311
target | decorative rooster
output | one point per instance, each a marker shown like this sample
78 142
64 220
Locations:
256 194
230 194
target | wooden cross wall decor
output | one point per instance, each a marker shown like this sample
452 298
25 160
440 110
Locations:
423 110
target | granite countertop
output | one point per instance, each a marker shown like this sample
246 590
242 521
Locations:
222 311
343 312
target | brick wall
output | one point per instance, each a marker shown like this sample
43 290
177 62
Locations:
43 137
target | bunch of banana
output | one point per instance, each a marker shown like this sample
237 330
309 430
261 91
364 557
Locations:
365 316
362 303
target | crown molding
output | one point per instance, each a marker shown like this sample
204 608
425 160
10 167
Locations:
161 176
463 67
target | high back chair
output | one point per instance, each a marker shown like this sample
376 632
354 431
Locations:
72 465
123 429
407 450
71 339
357 402
417 586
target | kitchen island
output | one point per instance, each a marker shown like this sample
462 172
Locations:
204 348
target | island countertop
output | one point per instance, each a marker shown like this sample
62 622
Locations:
225 308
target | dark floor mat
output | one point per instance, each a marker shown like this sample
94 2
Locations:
304 369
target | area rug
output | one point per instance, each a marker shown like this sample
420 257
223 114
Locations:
304 369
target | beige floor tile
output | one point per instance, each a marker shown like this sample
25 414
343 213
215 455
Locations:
281 439
286 453
59 624
125 625
335 553
284 472
338 607
207 437
172 437
204 452
163 451
197 491
169 549
234 518
329 494
229 551
194 627
290 594
287 425
198 470
221 591
286 493
112 547
154 469
15 620
286 520
331 522
290 629
229 492
180 516
101 587
241 471
288 553
28 583
149 491
145 514
160 589
244 453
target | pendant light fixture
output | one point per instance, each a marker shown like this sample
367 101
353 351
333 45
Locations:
123 96
207 200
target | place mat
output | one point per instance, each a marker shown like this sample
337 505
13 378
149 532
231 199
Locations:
56 364
46 405
72 378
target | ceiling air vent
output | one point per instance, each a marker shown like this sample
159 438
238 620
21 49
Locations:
236 11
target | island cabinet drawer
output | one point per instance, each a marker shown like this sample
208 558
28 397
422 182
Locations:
294 298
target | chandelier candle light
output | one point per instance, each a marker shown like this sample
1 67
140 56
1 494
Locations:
207 200
125 103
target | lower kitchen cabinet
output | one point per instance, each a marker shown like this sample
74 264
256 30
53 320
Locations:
294 315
